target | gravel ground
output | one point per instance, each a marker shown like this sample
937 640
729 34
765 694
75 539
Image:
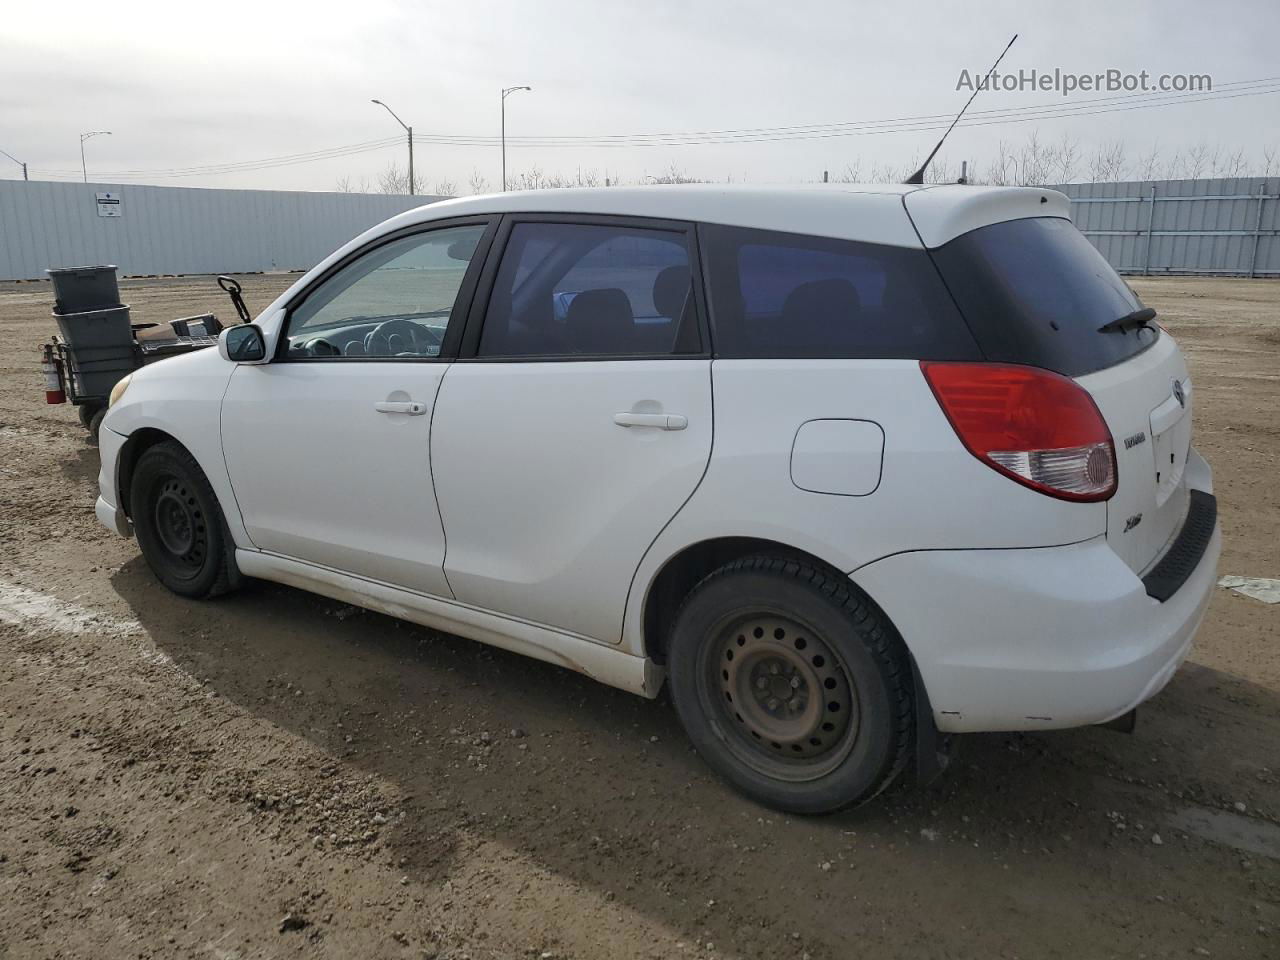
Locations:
275 774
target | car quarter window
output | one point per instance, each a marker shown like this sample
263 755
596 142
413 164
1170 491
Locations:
565 289
392 302
778 295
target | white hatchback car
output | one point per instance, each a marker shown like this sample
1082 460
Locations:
848 467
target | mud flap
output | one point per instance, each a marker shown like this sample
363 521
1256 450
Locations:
933 750
1125 723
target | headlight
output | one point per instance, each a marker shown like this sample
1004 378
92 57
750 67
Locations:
118 390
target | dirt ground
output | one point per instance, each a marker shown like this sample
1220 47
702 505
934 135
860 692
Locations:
273 774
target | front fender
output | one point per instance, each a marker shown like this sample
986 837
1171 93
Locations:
182 398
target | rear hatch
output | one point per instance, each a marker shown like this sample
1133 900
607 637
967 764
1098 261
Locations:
1035 291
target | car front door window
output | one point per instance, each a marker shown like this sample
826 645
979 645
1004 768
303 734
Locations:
393 302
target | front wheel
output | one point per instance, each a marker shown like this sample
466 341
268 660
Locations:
791 685
179 524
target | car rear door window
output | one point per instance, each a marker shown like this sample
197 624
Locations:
591 290
785 295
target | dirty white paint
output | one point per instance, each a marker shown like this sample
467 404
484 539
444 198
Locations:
1260 588
39 612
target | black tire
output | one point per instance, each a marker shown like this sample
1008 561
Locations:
95 423
86 412
823 712
179 524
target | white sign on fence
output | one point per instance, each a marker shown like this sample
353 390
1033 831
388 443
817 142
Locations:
109 204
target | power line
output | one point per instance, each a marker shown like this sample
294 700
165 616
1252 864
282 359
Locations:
868 127
265 163
819 127
911 124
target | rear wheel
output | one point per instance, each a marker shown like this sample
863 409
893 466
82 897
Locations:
179 524
791 685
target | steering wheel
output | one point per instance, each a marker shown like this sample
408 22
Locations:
399 336
320 347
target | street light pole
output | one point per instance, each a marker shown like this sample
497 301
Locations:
506 92
409 131
18 162
87 136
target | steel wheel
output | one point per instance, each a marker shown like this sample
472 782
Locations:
180 526
783 695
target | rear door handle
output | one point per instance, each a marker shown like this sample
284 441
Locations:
412 407
663 421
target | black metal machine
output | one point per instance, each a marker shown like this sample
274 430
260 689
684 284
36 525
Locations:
97 345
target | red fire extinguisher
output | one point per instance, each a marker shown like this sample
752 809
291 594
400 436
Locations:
51 367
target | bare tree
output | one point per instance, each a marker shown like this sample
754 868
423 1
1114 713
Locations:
1028 162
1270 159
393 179
1033 163
1196 161
1230 164
531 179
1063 158
1149 163
852 172
478 182
1108 162
445 188
1000 169
347 185
1215 160
939 171
673 174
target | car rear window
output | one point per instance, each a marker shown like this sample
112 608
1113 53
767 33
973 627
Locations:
1036 291
781 295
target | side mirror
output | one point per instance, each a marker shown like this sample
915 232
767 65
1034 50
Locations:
242 343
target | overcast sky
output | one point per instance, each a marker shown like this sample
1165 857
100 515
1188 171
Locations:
187 85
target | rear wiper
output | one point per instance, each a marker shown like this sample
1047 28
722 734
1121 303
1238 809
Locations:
1137 318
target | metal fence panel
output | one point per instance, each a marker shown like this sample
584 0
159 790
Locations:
1225 226
1209 226
174 230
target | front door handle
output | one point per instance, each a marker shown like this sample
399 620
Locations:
412 407
663 421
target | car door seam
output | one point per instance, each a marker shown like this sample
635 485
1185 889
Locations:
431 474
706 466
226 464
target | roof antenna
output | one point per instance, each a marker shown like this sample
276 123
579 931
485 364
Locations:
918 176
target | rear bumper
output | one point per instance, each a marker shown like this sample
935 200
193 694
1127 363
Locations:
1041 638
107 507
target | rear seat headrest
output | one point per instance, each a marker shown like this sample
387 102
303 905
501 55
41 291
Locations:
671 290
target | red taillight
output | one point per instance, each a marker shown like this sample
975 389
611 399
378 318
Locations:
1036 427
